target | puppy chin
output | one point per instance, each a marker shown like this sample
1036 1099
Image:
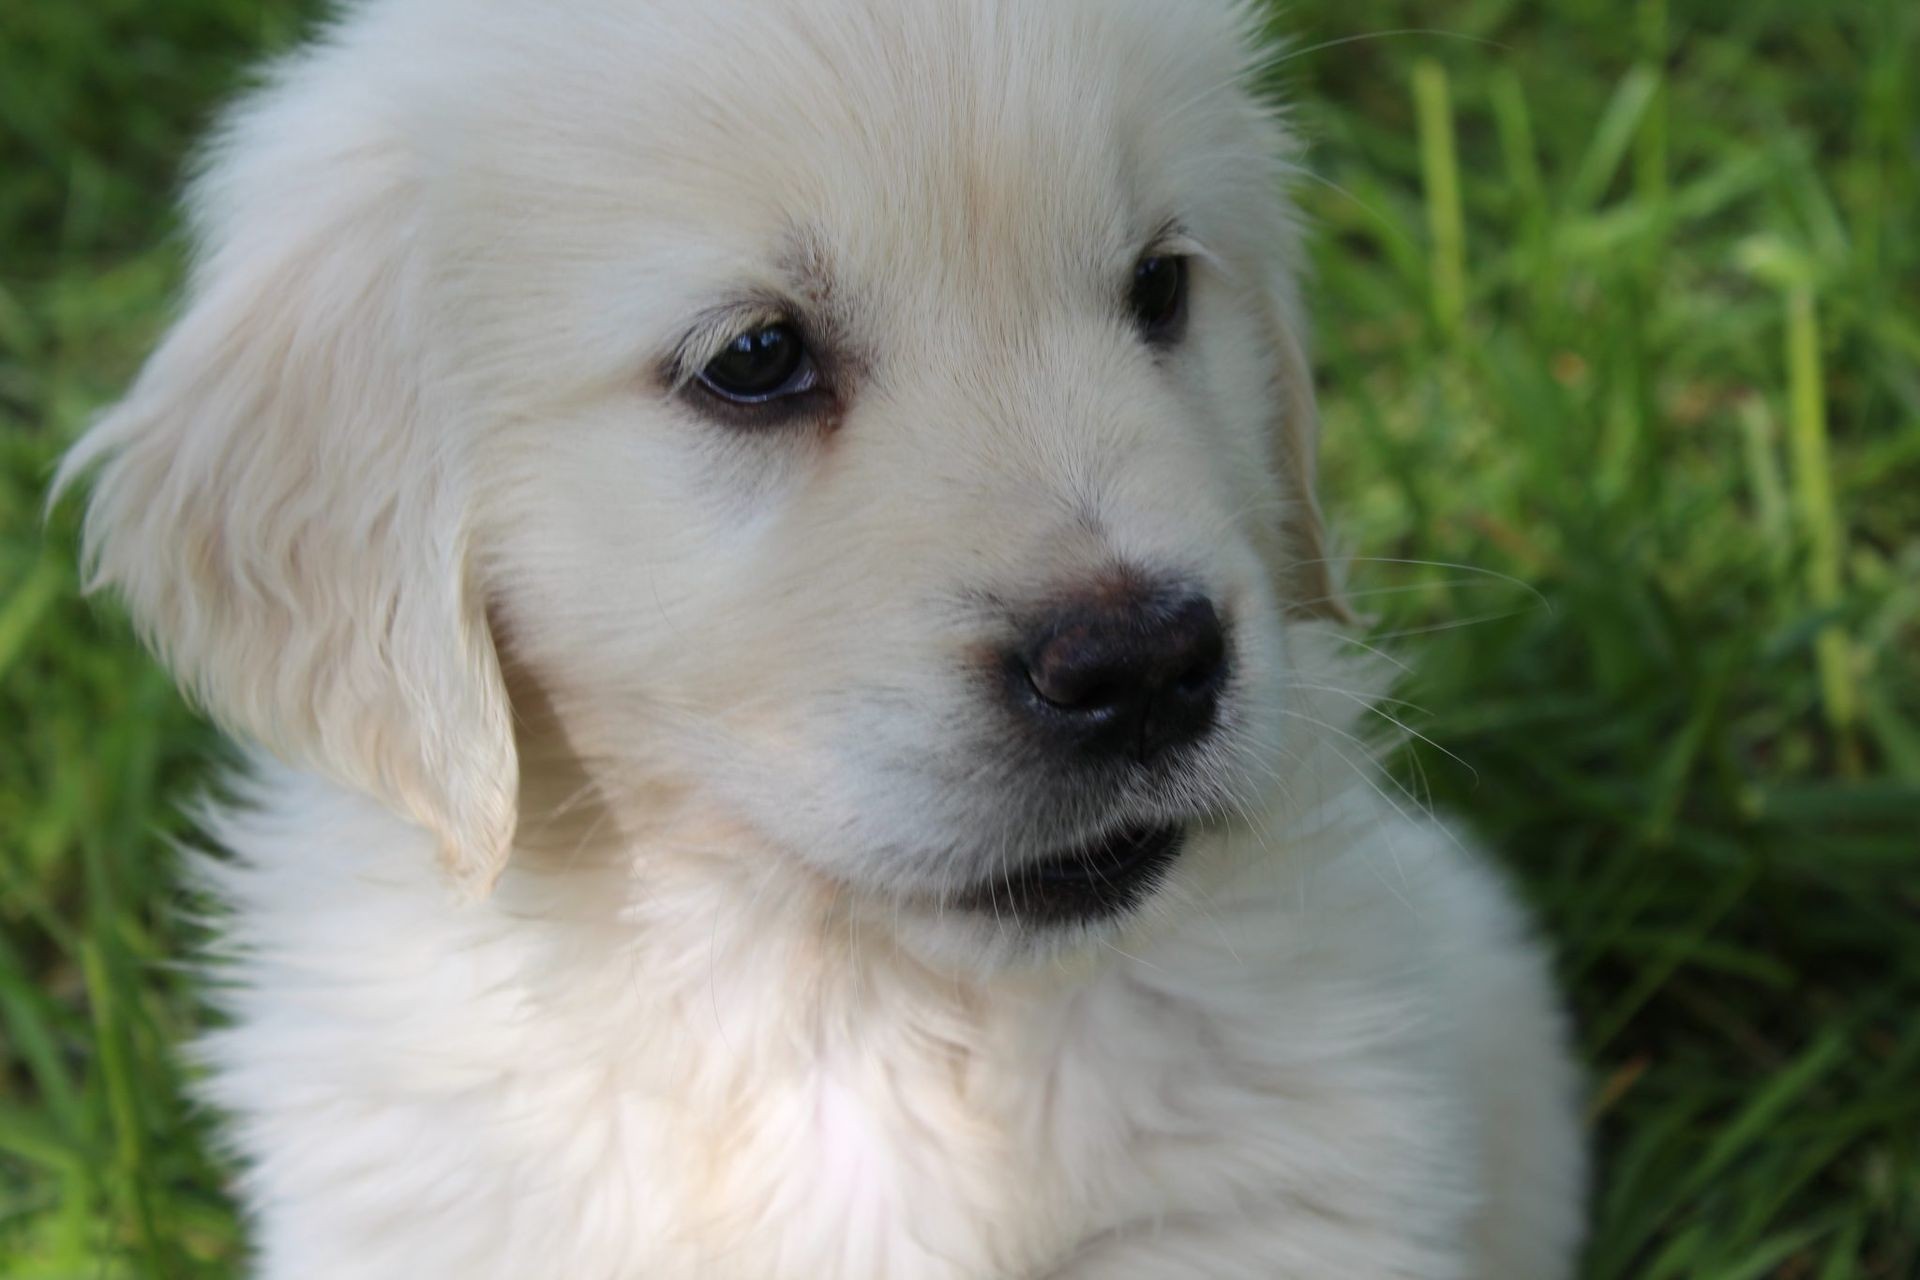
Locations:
986 929
971 946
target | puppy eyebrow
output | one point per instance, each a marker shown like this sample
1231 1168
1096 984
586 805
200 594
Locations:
808 301
718 325
1172 236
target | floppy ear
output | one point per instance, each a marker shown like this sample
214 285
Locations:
1309 575
279 501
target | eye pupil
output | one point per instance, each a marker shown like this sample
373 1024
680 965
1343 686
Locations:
1158 296
759 365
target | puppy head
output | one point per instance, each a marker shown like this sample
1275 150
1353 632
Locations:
883 421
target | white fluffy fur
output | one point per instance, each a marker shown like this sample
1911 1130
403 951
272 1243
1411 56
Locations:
592 926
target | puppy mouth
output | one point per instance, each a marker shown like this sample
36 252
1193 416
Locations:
1083 883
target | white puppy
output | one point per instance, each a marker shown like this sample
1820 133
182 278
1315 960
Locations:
775 542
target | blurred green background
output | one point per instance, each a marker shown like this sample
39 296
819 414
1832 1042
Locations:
1619 317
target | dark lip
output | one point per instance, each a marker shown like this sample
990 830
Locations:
1083 883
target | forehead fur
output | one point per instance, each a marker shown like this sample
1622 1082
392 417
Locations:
996 142
855 86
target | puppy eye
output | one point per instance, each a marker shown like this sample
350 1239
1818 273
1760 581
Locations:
1158 298
765 364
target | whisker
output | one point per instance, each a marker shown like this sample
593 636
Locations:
1400 590
1454 565
1363 696
1368 704
1283 54
1385 223
1452 625
1286 55
1381 654
1369 778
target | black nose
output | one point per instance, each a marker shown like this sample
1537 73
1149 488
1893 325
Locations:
1125 679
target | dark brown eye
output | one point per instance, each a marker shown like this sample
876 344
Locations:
1158 298
764 364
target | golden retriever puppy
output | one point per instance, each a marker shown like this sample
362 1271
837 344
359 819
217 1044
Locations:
769 548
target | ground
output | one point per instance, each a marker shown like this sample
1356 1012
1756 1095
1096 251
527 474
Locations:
1619 315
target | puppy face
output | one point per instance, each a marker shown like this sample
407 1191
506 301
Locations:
879 424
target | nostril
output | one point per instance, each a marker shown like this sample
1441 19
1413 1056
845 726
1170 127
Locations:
1200 677
1059 688
1197 649
1091 697
1074 669
1128 678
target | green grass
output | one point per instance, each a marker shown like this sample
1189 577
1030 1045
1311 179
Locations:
1620 300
